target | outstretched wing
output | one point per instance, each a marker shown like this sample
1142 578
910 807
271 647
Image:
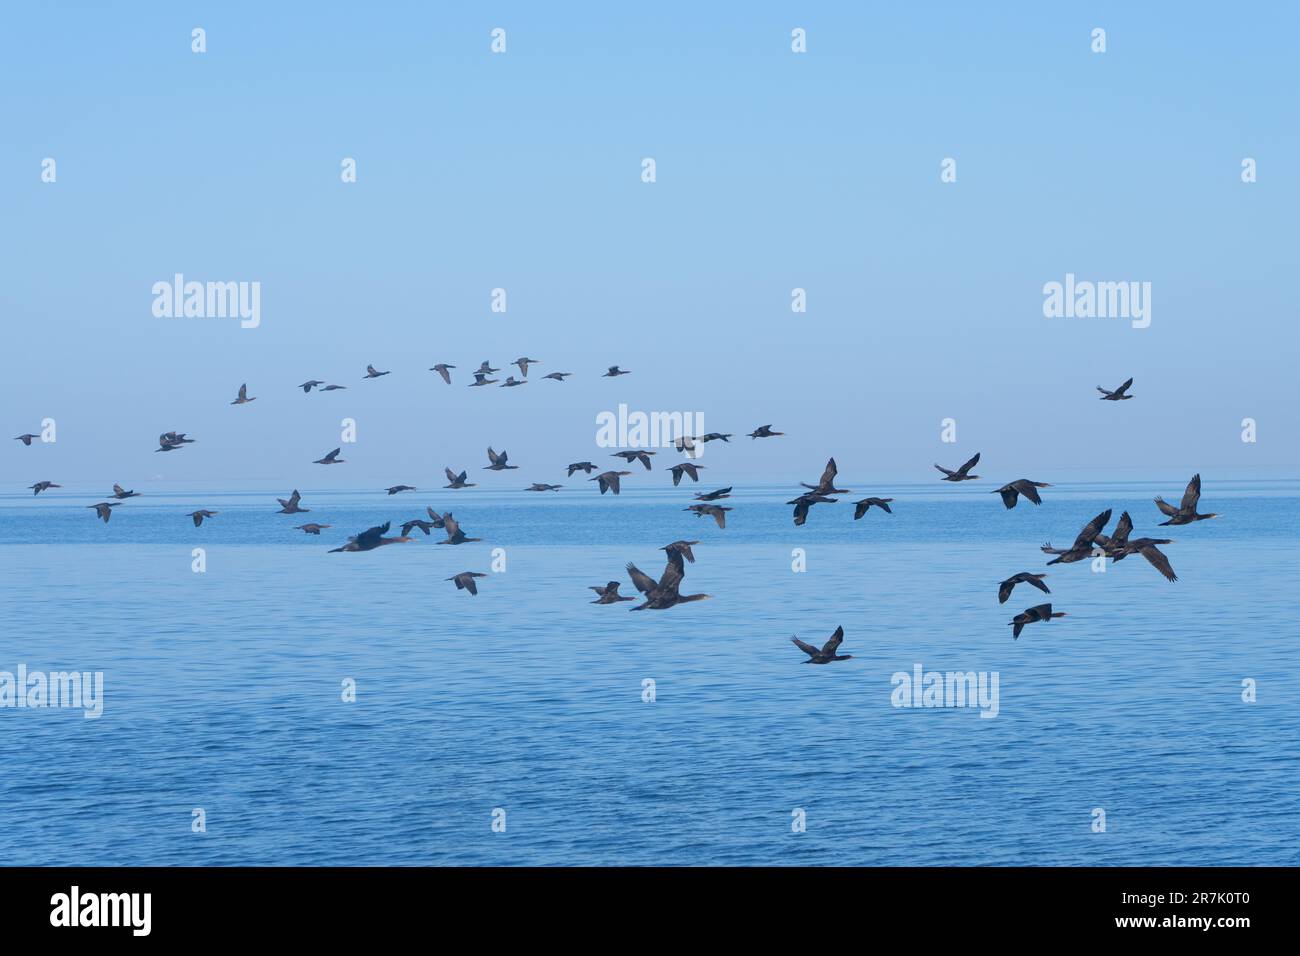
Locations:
833 644
1027 488
828 476
946 471
1192 495
1160 561
1123 388
1038 583
806 648
1091 530
1122 530
970 464
643 582
1166 507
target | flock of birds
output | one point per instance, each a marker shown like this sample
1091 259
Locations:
665 592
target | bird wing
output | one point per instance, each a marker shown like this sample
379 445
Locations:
1166 507
828 476
830 646
677 474
1017 627
119 490
446 375
1103 391
450 525
243 391
372 535
1192 495
1041 612
1008 494
720 516
969 465
1037 582
493 456
294 499
1027 488
334 454
860 509
806 648
674 571
1160 561
642 581
1123 388
945 470
1122 530
1091 530
470 585
1005 589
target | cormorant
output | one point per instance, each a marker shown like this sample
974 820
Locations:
609 594
827 652
331 459
1117 395
608 480
860 507
764 431
638 455
243 398
458 481
199 515
498 461
370 539
42 486
685 468
717 512
1042 612
1024 577
444 370
465 581
962 473
1185 513
1021 486
1082 547
290 507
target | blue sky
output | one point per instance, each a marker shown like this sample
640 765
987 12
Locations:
775 171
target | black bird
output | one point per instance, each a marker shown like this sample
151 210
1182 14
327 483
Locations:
717 512
523 364
396 489
371 373
331 459
485 369
638 455
498 461
42 486
199 515
615 371
1117 395
1021 486
714 495
170 441
511 382
609 594
860 507
370 539
685 468
584 466
444 370
962 473
458 481
290 506
764 431
26 439
803 504
664 593
120 493
608 480
717 436
1024 577
465 581
311 528
480 379
454 534
332 388
420 523
535 486
826 484
310 384
1119 546
1185 513
1082 548
560 377
827 652
1042 612
243 398
103 509
1115 544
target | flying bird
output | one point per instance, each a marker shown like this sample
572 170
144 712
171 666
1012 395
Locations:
511 382
397 489
199 515
1042 612
370 539
608 480
1117 395
764 431
498 461
714 495
609 594
310 384
717 436
664 593
480 380
458 481
803 504
826 484
1082 547
243 398
523 364
560 377
962 473
1021 486
1119 546
454 533
584 466
103 509
637 455
311 528
1186 512
42 486
717 512
614 371
371 373
535 486
685 468
333 388
861 507
120 493
444 370
425 526
170 441
465 581
290 506
485 369
826 653
681 547
1024 577
331 459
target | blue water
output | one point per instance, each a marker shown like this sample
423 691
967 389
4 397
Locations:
223 689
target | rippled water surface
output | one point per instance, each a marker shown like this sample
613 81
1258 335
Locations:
223 689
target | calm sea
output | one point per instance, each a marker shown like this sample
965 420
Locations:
223 690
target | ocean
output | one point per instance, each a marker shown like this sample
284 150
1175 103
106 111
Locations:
527 726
